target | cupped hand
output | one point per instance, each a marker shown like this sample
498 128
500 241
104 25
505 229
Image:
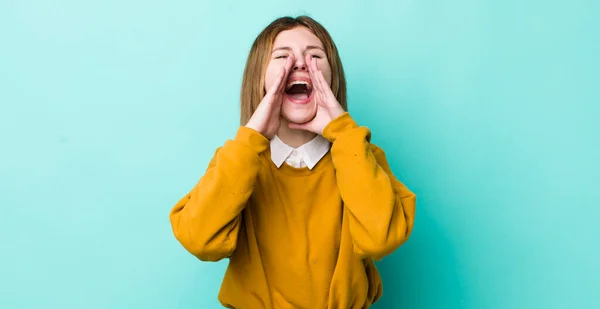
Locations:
328 108
266 117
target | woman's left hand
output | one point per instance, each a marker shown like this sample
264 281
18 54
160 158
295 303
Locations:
328 108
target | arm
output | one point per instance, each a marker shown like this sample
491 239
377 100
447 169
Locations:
381 208
207 220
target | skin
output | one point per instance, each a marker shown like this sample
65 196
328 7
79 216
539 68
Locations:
296 53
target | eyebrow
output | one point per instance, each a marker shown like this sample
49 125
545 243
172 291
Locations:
307 47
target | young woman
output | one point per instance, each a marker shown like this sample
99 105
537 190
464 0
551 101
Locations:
299 201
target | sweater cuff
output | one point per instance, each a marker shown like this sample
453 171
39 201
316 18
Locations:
338 126
252 139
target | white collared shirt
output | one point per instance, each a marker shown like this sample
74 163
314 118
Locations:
307 155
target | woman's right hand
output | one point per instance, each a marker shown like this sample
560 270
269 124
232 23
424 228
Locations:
265 119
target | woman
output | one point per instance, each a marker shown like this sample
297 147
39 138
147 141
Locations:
299 201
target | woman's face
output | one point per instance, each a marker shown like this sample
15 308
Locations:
298 105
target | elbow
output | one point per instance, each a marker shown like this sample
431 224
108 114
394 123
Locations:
400 232
206 245
207 249
212 253
390 237
379 248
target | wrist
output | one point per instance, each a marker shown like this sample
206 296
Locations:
252 138
336 112
339 126
252 126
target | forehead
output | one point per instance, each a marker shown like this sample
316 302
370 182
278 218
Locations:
297 36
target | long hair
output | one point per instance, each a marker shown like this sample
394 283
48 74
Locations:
253 82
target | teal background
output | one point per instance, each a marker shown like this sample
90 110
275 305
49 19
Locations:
488 110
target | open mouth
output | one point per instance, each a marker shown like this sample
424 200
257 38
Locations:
299 91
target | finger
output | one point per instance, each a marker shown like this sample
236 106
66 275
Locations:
323 87
281 78
319 74
287 69
314 64
277 84
327 89
307 61
292 60
311 73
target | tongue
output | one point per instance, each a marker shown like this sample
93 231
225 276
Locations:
299 96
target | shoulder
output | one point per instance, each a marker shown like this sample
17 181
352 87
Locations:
376 149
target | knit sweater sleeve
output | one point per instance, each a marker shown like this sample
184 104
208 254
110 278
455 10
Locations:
206 221
381 208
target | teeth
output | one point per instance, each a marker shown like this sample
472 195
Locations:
299 82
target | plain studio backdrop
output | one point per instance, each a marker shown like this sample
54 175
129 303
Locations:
488 111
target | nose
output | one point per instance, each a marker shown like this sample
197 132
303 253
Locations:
300 65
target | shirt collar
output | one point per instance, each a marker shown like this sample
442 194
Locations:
312 152
279 151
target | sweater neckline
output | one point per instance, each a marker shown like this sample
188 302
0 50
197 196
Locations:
303 171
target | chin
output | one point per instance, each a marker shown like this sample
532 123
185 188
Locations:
298 113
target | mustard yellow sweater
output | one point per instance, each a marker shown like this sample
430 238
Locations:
297 238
